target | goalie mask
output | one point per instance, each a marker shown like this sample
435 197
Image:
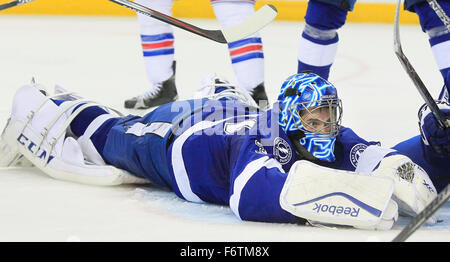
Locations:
309 105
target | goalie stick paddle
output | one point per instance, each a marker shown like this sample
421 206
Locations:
13 3
443 123
253 24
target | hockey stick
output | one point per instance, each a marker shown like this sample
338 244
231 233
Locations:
254 23
13 3
443 123
444 195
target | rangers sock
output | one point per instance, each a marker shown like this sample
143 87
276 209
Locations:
247 57
157 42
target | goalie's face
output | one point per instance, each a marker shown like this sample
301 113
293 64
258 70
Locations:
317 120
322 120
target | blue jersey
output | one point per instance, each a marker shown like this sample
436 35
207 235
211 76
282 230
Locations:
220 152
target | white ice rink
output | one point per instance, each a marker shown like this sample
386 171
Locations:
101 59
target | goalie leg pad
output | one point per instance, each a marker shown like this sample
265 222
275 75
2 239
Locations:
339 197
37 130
10 155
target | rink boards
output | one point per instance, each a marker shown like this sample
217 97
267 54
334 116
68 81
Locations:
367 11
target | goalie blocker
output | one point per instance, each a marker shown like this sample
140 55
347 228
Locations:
384 185
324 195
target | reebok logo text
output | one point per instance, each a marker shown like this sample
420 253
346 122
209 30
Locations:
351 211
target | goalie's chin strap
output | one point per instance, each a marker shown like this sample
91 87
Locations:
301 151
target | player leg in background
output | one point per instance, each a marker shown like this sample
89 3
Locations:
439 36
158 51
319 40
247 55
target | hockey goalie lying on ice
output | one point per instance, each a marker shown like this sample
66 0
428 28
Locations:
291 164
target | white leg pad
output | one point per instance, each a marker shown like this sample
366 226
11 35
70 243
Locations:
10 156
40 139
68 165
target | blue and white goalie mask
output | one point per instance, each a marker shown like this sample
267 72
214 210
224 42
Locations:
310 104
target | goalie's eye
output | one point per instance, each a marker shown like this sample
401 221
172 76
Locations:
316 120
319 126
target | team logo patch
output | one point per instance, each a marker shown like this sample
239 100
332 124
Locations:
355 153
282 150
261 150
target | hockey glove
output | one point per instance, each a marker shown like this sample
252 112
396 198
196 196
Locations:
432 134
413 189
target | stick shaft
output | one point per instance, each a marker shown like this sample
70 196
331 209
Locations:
14 3
170 20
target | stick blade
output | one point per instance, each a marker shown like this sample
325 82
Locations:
253 24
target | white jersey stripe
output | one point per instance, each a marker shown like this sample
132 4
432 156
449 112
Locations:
441 52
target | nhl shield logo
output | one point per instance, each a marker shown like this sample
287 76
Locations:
356 152
282 150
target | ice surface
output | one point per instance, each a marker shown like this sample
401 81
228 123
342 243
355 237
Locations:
101 59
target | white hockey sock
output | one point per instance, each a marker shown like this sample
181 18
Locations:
157 41
247 55
440 46
317 50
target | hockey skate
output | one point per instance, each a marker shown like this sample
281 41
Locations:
38 131
217 87
161 93
260 97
